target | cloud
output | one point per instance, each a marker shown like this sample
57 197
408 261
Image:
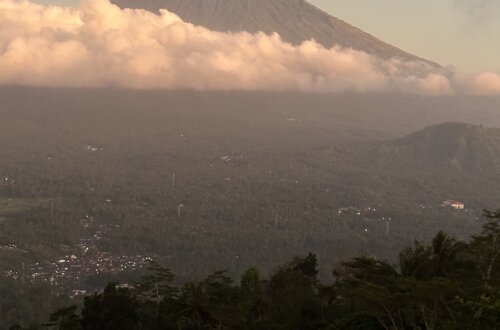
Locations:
100 45
487 83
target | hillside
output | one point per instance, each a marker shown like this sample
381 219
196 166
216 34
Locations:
463 147
295 21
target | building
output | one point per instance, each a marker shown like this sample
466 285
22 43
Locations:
455 204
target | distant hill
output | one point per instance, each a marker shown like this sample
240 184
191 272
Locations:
463 147
295 21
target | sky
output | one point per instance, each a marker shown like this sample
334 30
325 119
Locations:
459 33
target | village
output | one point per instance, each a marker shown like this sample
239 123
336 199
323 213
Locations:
68 273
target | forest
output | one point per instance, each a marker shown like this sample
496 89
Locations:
447 284
94 184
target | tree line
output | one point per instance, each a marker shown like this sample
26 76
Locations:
446 284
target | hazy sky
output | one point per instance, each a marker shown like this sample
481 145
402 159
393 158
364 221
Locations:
463 33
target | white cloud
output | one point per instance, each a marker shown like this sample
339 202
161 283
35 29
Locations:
487 83
98 44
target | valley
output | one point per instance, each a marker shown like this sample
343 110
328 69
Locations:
201 182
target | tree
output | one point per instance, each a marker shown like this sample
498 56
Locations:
293 300
65 319
157 283
484 250
482 303
193 307
114 308
442 258
251 296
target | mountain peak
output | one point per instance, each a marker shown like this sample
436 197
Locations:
294 20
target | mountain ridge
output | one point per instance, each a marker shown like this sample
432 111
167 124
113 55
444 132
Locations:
463 147
294 20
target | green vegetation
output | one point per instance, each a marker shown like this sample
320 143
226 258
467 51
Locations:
277 196
25 303
262 177
448 284
12 206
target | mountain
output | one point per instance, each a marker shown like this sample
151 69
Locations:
295 21
456 146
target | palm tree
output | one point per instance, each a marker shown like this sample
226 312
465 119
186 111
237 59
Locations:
193 303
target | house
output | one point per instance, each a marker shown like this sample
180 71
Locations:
455 204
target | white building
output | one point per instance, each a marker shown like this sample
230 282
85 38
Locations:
455 204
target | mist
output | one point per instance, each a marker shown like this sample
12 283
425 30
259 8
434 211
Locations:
100 45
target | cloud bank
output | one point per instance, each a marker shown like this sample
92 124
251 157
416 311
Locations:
100 45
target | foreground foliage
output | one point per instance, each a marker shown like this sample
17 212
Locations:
447 284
